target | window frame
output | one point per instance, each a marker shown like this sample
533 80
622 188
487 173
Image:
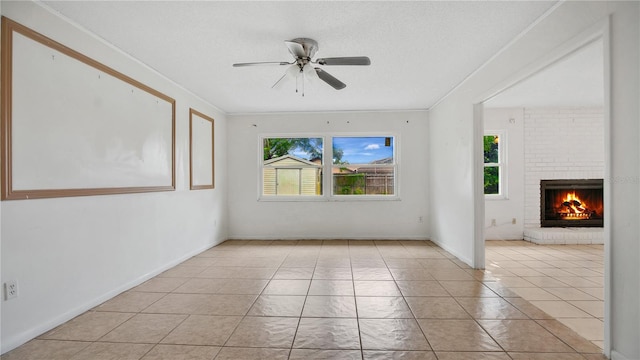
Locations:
501 165
395 166
327 167
275 197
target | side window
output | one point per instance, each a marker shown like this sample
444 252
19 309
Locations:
493 164
292 166
364 166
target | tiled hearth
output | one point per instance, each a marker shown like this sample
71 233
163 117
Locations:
564 236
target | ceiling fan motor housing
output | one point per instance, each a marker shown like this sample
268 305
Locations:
310 46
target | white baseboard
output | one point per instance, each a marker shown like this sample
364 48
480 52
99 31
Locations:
617 356
453 252
25 336
321 237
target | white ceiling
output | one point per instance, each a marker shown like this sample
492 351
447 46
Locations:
576 80
419 50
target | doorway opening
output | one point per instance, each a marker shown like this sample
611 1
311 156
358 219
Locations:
548 119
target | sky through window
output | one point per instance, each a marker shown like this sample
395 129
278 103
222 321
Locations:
363 150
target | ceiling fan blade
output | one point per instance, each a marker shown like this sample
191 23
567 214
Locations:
329 79
352 60
262 63
295 49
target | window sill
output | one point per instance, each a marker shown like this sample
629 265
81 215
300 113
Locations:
364 198
495 197
338 198
291 198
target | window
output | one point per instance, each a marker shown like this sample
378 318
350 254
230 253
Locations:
292 166
363 166
494 164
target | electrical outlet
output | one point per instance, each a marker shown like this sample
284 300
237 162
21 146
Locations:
493 222
10 289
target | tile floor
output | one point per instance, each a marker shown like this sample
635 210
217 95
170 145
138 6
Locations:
329 300
565 281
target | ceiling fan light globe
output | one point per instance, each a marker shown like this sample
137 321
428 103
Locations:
310 73
291 73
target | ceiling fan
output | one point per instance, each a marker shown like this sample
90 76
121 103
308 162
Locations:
303 65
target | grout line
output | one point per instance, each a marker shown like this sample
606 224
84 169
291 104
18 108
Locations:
355 302
295 334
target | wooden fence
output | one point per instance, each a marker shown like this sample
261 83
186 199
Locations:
363 184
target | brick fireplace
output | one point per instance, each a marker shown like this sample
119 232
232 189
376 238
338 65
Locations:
549 155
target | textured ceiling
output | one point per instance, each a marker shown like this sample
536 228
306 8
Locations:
419 50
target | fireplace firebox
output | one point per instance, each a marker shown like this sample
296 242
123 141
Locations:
571 203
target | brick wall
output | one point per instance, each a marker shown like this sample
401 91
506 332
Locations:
560 143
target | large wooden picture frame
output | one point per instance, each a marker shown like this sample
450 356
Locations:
72 126
201 151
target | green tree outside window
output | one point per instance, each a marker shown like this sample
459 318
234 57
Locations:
491 164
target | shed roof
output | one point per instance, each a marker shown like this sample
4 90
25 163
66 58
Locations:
291 157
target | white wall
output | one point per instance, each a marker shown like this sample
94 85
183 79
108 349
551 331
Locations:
70 254
253 219
504 210
451 177
624 182
560 143
452 160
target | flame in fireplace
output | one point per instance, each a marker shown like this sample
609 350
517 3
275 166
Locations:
574 207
